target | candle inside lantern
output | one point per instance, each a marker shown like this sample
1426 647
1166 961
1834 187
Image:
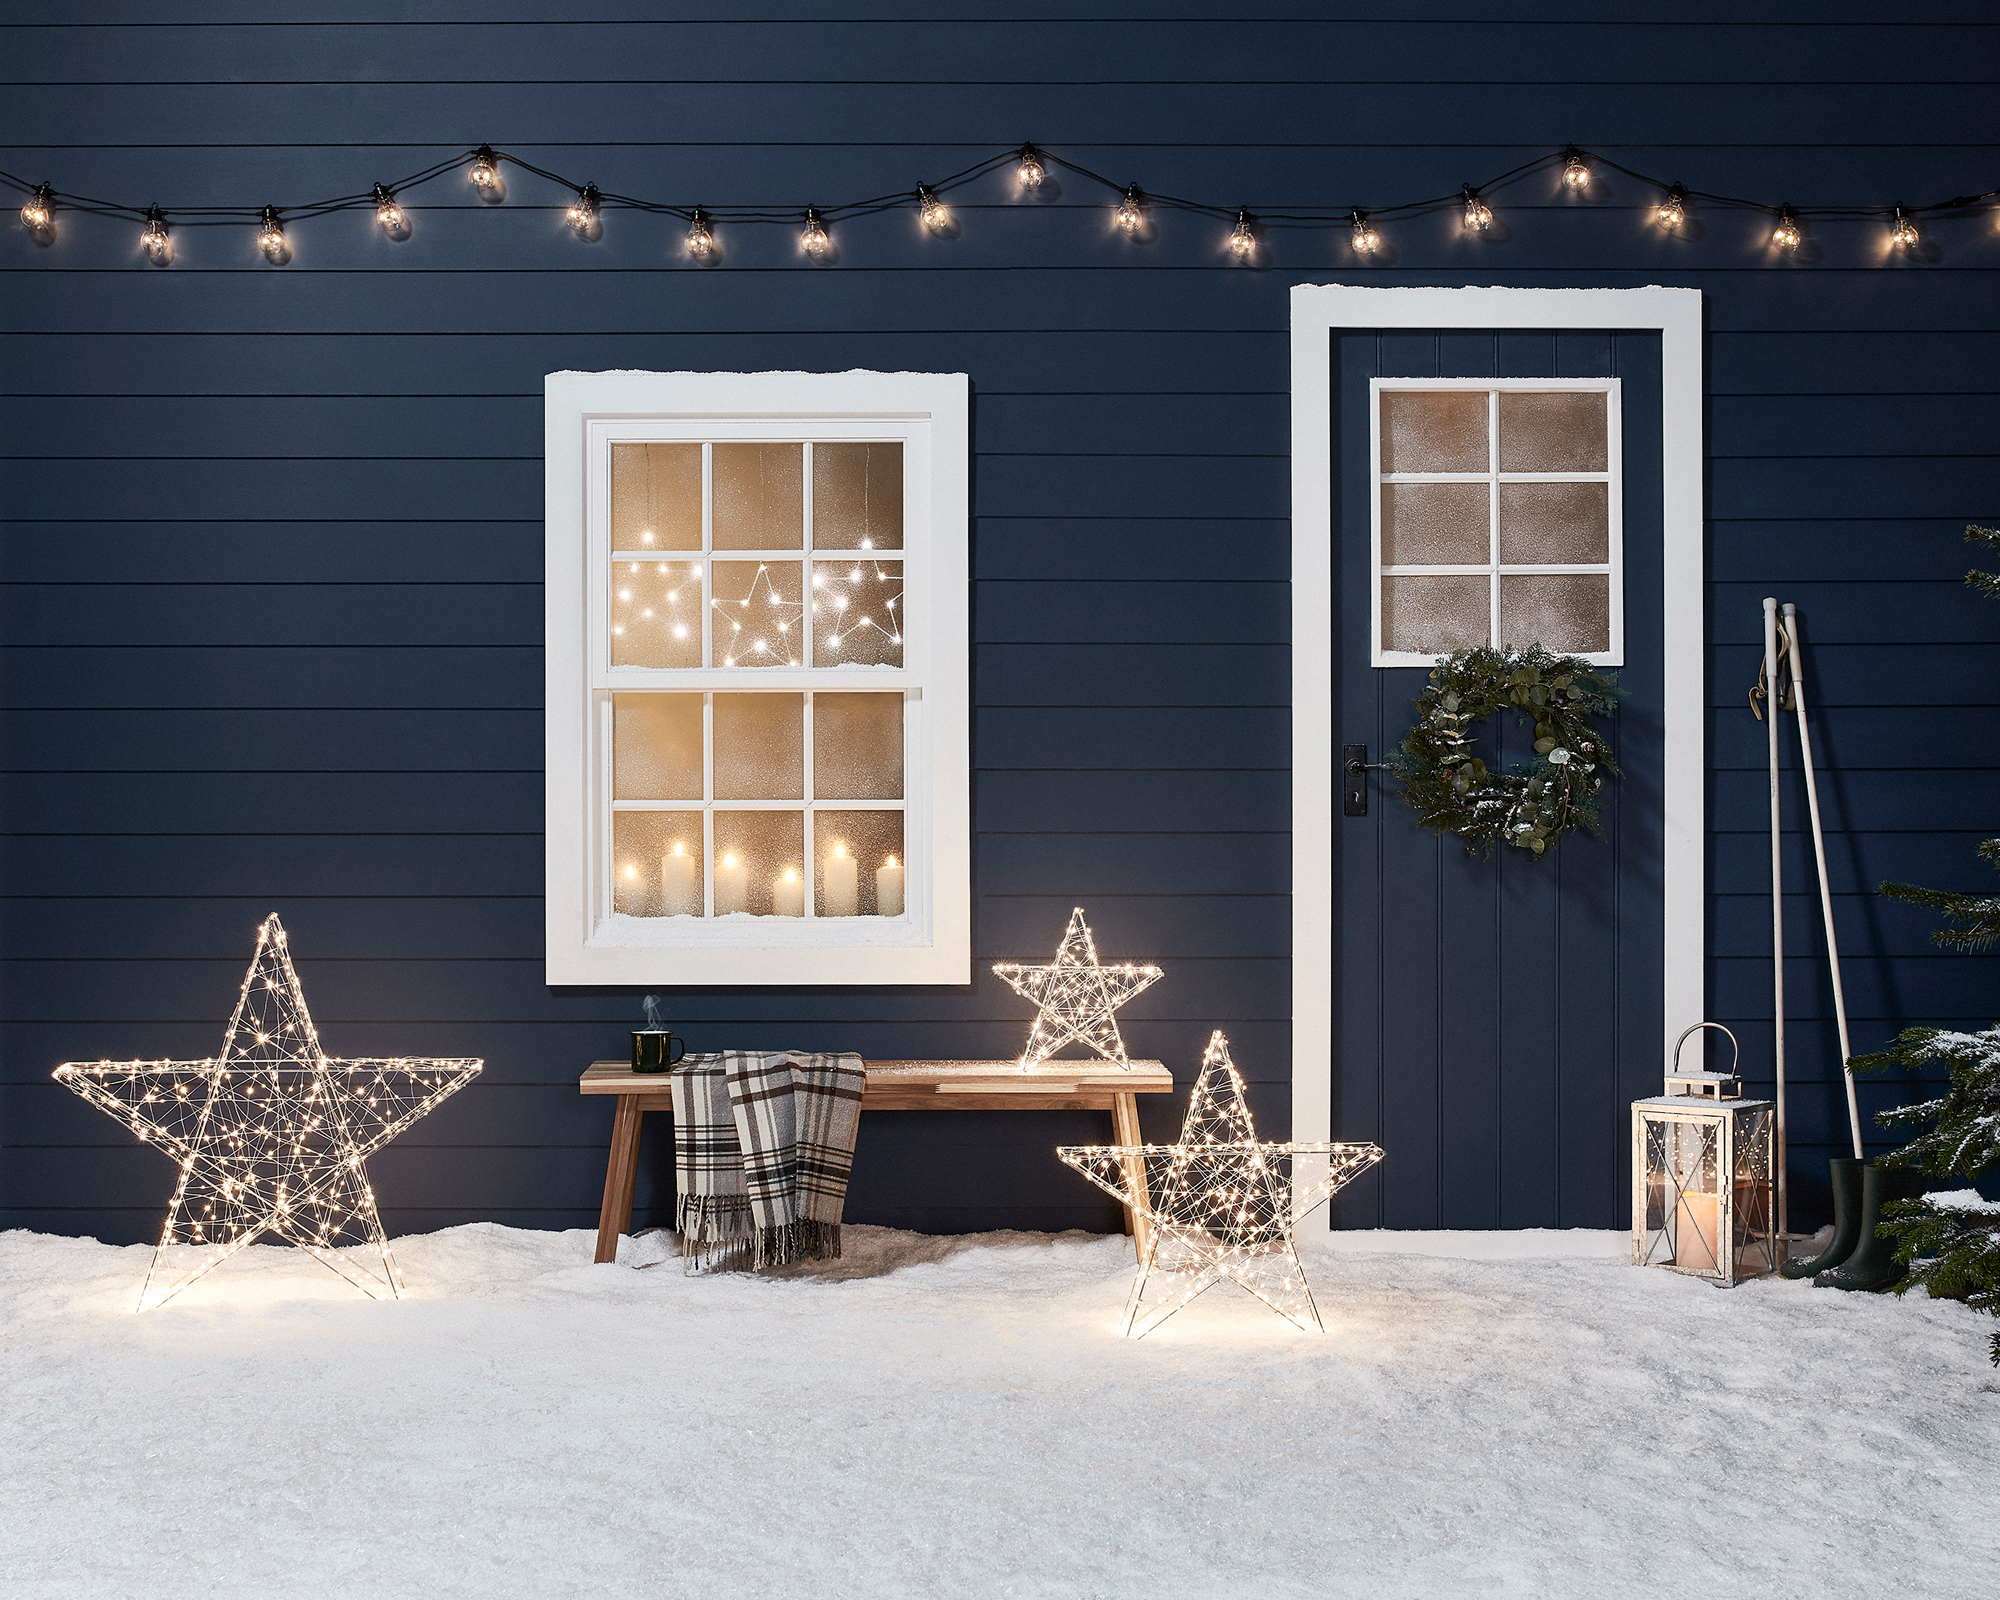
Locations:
842 882
889 888
682 896
788 895
732 885
1694 1232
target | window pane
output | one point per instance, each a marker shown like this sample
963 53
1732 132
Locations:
1433 616
655 614
857 613
858 746
656 746
1568 612
1435 524
753 849
1554 522
656 497
1553 430
760 496
1434 430
860 862
757 608
656 863
858 496
760 747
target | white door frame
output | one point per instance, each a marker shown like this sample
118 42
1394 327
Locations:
1318 311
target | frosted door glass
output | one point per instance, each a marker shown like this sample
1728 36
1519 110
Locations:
858 496
759 496
1435 524
758 614
1550 524
853 849
655 614
1432 616
753 849
857 613
1553 430
642 883
857 747
760 747
1434 430
1568 612
656 746
656 497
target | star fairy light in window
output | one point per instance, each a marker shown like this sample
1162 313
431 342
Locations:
1077 996
656 613
761 627
1219 1207
270 1135
857 612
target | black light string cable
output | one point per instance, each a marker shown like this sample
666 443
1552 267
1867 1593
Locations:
485 165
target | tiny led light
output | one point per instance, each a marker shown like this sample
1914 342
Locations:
1030 172
1131 213
1478 215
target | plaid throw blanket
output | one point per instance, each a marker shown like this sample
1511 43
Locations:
762 1148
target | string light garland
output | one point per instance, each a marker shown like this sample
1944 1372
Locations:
1221 1204
271 1134
484 167
1077 996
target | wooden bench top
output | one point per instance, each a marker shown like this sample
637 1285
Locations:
949 1085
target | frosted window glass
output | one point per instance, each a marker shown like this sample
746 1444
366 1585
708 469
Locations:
1552 523
656 746
643 884
1435 524
760 747
1431 616
858 496
1434 430
1568 612
1553 430
758 610
752 851
858 746
870 840
656 497
655 614
759 496
857 612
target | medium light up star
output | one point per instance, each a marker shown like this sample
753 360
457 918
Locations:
271 1134
1077 997
1218 1207
760 628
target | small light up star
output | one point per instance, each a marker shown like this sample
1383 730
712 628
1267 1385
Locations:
856 609
1077 997
1218 1207
760 629
271 1134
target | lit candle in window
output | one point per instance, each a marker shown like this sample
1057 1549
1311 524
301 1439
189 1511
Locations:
889 888
732 885
788 895
683 887
842 881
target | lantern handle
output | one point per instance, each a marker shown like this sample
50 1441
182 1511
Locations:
1736 1050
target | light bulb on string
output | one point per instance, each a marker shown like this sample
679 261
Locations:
701 237
1673 209
931 211
1243 237
1478 215
1131 213
485 171
38 216
388 215
1030 172
1366 240
582 214
813 238
1903 230
1786 234
271 238
1576 174
155 240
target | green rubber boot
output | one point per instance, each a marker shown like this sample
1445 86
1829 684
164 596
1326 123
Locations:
1873 1264
1846 1221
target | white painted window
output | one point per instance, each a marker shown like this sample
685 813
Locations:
757 678
1498 517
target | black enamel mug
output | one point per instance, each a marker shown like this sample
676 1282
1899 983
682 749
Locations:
655 1050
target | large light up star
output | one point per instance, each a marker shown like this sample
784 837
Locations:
271 1134
1218 1206
1077 997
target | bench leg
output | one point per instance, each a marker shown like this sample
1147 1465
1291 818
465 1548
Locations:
1125 1130
621 1172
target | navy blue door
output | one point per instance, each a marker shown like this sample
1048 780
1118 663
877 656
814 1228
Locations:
1496 1017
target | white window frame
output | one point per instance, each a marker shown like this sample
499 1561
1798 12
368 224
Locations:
584 414
1493 477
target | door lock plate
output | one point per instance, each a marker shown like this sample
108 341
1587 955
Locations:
1354 780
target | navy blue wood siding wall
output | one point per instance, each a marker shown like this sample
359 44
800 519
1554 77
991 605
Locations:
272 620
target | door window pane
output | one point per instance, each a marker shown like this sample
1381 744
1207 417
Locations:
656 497
858 496
759 747
1434 430
1435 524
759 496
1432 616
1568 612
1554 524
858 746
1553 430
656 747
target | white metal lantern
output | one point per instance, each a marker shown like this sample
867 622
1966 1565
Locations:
1702 1175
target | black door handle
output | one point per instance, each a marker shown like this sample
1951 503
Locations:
1354 769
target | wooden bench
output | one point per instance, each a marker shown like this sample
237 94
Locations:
898 1086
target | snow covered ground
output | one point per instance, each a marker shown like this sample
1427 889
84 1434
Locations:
1515 1414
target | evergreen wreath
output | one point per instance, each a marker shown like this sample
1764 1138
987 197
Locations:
1454 791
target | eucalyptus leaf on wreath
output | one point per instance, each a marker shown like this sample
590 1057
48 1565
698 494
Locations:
1454 791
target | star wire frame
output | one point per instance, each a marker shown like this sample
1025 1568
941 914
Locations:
1077 997
1221 1205
271 1134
